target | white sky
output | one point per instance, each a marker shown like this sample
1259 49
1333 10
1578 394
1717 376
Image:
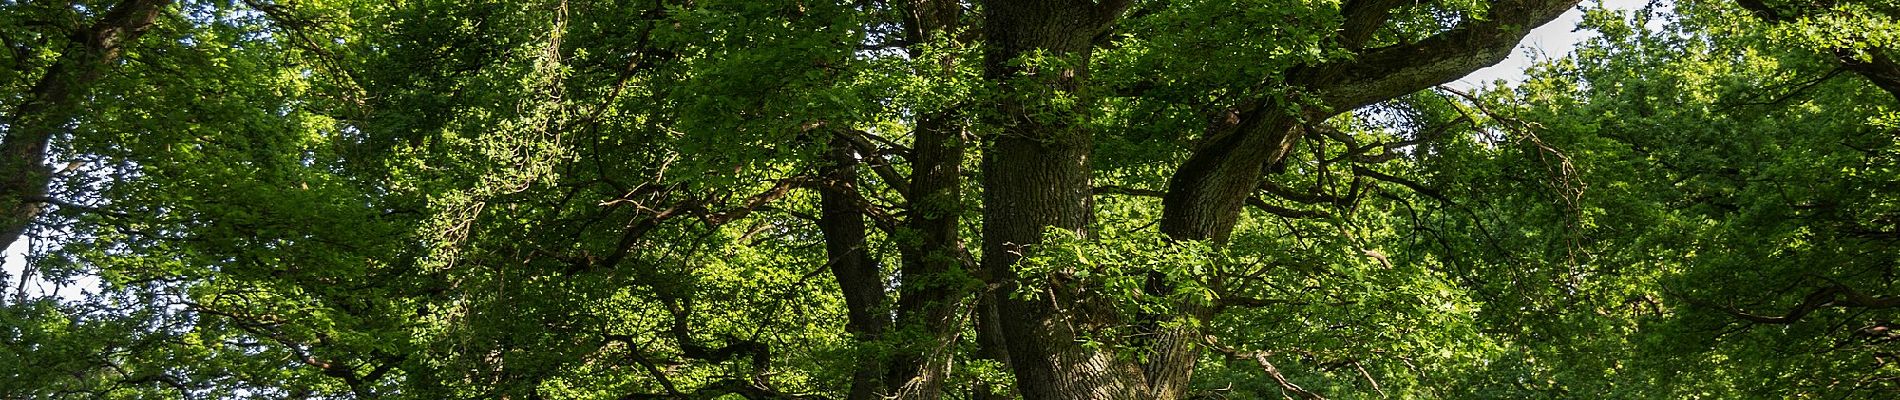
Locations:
1553 40
15 261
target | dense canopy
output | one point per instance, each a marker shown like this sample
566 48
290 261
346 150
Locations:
938 199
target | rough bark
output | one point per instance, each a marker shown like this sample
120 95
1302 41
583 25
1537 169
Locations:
931 274
1036 177
990 345
1388 72
931 280
1226 180
858 275
53 102
1205 194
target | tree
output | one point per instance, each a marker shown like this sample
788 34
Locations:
84 53
930 199
1723 224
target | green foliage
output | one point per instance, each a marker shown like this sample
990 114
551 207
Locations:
1719 174
613 199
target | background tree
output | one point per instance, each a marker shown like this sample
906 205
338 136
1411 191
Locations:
1724 227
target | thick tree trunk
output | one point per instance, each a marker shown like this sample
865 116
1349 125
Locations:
931 278
851 264
990 345
52 104
1031 185
1203 203
1036 177
1204 196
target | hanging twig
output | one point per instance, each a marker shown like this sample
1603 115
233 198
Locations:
1260 358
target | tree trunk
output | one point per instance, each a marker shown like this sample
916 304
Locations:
1036 177
851 263
52 104
931 276
1204 196
1203 203
990 345
931 279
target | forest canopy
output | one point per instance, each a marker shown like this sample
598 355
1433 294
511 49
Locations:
936 199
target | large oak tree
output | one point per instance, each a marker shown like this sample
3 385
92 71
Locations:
1066 199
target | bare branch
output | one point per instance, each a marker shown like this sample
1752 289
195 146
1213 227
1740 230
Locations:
1834 294
1260 358
1414 185
1262 205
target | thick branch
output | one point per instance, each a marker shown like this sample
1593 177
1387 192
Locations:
1414 185
1835 294
1362 18
1879 68
857 273
1260 358
1393 71
857 140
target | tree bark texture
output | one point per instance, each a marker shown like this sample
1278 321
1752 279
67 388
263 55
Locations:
858 275
1036 177
990 345
932 278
